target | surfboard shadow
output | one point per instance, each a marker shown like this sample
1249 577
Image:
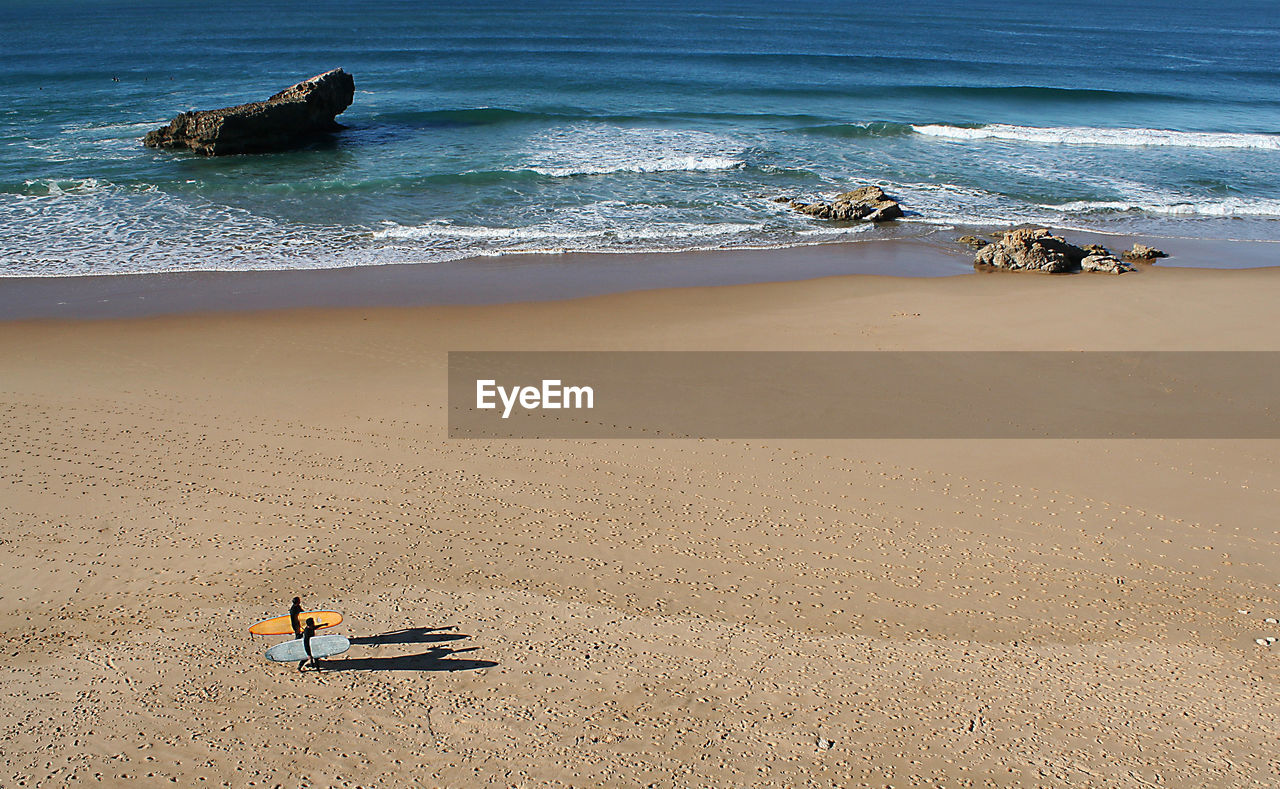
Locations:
432 660
410 635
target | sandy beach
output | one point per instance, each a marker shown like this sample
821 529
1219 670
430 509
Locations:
626 613
677 395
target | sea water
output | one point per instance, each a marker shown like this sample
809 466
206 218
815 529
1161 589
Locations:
482 129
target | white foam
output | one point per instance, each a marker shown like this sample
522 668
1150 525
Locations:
448 230
672 164
95 227
609 226
1086 135
1226 207
602 149
566 234
99 129
74 186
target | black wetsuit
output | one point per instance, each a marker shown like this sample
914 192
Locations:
295 611
307 633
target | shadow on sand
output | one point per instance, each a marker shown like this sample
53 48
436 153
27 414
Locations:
435 659
410 635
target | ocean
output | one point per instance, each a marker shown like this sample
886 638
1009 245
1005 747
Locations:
482 129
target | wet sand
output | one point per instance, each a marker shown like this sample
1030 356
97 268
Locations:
621 612
495 280
540 277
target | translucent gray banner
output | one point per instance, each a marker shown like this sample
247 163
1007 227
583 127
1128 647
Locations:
864 394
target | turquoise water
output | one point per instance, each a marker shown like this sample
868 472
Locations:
479 129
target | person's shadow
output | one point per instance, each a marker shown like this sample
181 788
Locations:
409 635
437 658
434 659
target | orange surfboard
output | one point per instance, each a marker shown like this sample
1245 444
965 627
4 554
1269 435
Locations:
281 626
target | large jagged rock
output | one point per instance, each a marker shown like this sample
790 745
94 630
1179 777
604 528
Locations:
1036 249
290 118
1031 249
867 203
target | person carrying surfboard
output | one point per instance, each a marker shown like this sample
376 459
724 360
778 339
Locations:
295 613
307 633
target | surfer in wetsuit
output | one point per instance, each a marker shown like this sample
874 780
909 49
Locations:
307 633
295 613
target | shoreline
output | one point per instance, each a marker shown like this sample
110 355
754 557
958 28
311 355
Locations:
535 277
506 279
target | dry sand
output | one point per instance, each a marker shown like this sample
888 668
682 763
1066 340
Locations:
670 613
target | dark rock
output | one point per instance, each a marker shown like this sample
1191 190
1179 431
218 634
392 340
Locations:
973 242
1143 253
290 118
866 203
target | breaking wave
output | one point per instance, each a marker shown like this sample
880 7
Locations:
670 164
858 130
1085 135
1227 207
601 149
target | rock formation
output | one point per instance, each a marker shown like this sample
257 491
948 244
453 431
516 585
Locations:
288 119
866 203
1106 263
1036 249
1143 253
973 242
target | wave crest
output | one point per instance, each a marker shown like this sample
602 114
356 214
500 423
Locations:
858 130
1086 135
1227 207
668 164
602 149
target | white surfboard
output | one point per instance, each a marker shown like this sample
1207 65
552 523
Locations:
321 647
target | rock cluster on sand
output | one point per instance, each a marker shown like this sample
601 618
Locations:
291 117
1036 249
866 203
